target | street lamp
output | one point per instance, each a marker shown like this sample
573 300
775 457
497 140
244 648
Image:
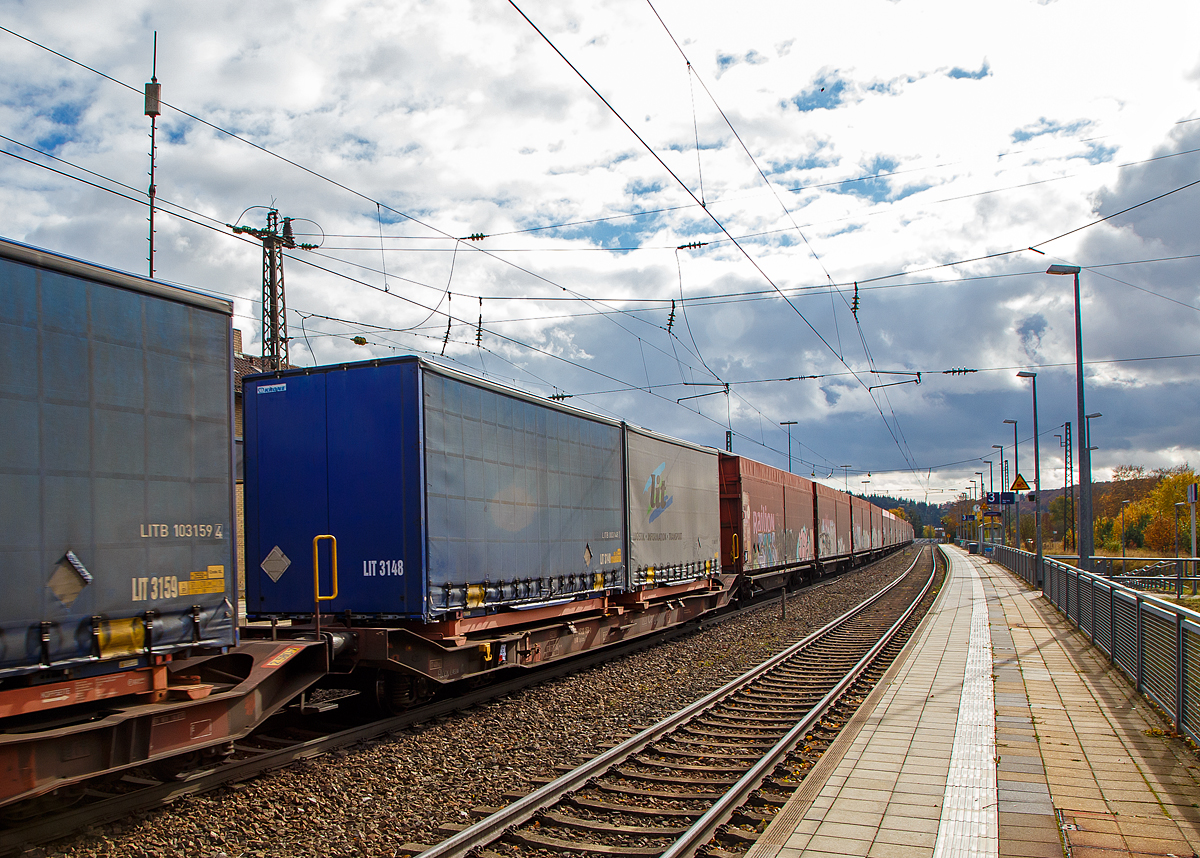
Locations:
1017 472
1087 429
789 424
1003 511
1037 479
1083 538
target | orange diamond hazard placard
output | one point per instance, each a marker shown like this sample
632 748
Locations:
1019 485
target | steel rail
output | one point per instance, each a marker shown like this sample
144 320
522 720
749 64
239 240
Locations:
705 828
492 827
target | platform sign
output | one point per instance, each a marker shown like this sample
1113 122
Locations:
1019 484
1000 498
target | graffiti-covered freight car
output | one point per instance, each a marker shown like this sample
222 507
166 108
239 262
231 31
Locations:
766 517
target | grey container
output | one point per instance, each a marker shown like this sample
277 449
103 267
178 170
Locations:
674 502
523 497
116 503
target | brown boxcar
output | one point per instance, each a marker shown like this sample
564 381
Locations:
860 515
766 517
833 523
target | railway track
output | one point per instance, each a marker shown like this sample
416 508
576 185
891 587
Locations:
693 784
282 742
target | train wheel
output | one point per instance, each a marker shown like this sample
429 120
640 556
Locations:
396 692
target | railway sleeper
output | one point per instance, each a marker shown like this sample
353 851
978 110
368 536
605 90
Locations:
751 734
631 809
742 707
638 792
707 742
738 835
746 721
687 754
539 841
670 766
650 777
603 826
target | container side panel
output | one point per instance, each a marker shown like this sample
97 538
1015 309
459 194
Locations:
674 510
731 513
286 489
842 505
115 453
763 518
375 490
799 532
860 527
524 500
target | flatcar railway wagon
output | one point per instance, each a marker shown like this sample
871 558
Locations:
476 528
116 536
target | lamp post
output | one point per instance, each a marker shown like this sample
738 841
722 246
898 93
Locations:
988 520
789 424
1017 472
1124 504
1003 512
1064 497
1083 538
981 515
1177 506
1037 480
1086 441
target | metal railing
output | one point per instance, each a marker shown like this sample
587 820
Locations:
1153 642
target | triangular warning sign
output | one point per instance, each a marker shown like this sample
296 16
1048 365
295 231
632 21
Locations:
1019 485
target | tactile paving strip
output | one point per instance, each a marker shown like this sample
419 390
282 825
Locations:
969 825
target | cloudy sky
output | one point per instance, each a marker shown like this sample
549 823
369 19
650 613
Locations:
940 155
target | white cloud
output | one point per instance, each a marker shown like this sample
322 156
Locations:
458 114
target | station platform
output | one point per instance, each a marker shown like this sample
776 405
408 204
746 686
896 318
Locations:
999 731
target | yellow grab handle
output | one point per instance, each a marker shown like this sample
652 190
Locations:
317 569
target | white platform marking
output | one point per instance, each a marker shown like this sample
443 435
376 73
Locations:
970 824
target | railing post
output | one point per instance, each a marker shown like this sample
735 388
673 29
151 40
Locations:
1112 621
1179 683
1137 636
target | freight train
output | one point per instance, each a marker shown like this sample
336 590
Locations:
408 528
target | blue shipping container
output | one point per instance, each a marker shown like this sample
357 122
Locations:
116 475
445 493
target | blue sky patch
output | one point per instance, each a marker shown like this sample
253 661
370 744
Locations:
825 94
1098 153
812 161
66 117
727 61
1046 126
875 187
962 74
